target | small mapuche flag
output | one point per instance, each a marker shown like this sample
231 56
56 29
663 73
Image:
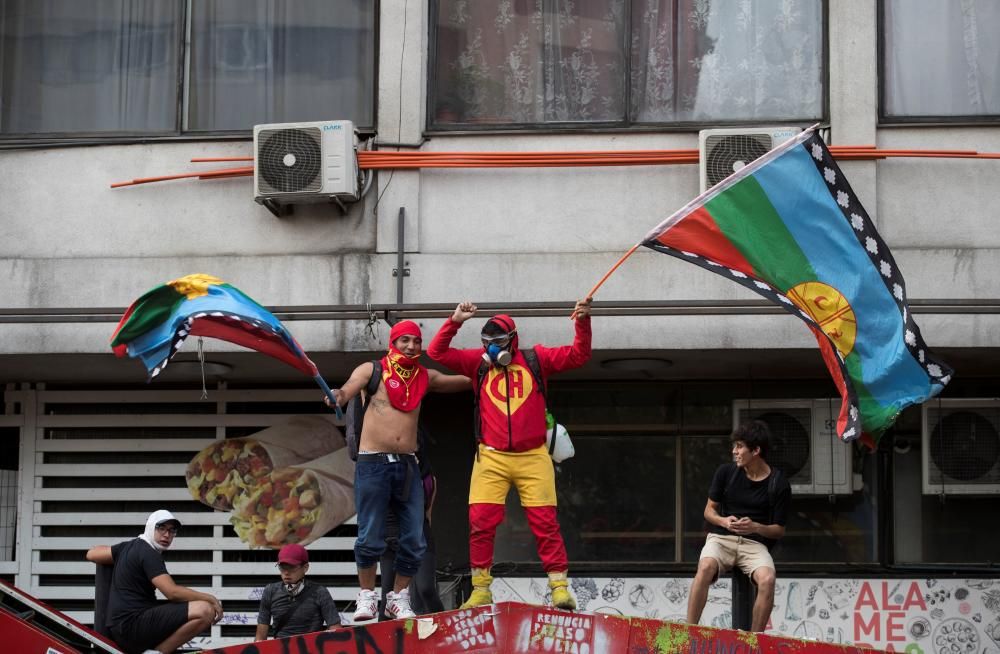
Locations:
789 227
156 325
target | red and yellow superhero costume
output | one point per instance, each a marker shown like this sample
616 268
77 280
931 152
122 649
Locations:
512 447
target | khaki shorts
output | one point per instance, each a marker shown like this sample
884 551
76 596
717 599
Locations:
729 550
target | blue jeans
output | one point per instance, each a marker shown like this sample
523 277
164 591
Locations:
377 487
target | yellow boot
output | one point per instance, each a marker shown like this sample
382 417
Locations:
561 599
481 594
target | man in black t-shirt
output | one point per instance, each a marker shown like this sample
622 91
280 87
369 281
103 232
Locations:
746 512
139 624
294 605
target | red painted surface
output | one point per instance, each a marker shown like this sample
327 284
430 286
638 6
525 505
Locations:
514 628
57 622
25 638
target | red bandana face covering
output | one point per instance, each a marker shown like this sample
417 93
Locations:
405 380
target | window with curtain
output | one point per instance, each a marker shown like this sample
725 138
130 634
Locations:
570 62
119 67
941 59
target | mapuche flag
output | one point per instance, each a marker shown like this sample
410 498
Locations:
789 227
155 326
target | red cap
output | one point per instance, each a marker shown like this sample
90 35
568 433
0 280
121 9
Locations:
293 554
404 328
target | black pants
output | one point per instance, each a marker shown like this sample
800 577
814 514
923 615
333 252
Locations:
424 596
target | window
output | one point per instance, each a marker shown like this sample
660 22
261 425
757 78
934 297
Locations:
945 482
9 463
517 63
941 60
634 494
121 67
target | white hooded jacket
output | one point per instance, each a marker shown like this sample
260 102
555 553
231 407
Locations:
156 517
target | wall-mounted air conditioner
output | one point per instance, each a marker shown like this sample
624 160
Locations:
305 162
804 443
961 447
721 152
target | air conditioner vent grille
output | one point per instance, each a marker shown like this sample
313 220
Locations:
290 160
964 447
790 442
804 444
727 154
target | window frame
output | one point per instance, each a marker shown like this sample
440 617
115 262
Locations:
181 133
606 127
927 120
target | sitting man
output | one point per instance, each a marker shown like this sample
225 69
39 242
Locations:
138 623
746 513
296 605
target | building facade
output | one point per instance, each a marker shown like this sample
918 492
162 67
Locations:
111 90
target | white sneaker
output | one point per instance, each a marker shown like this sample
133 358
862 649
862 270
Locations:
366 606
397 605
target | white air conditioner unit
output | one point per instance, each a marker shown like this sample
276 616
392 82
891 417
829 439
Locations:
305 162
804 443
721 152
961 447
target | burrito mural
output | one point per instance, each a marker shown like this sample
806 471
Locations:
297 504
289 483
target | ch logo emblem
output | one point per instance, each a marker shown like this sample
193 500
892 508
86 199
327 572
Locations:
521 385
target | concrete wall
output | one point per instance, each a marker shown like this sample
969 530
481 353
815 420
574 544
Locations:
68 240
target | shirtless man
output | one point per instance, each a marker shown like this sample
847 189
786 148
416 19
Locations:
386 474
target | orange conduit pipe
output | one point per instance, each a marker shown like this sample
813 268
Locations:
392 160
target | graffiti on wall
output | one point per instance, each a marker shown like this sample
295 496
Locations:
918 616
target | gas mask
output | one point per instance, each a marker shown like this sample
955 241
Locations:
496 350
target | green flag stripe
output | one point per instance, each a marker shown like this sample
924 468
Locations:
150 310
875 417
746 217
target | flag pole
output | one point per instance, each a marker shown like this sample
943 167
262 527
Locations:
600 283
329 394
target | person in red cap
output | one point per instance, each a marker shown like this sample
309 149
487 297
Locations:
294 605
510 430
387 473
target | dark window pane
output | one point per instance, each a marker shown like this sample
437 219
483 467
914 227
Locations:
818 530
529 62
605 513
255 62
701 457
549 62
98 66
941 58
946 476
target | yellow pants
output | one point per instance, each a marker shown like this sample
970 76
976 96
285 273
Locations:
531 472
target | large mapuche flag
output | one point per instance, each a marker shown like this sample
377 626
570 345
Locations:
789 227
